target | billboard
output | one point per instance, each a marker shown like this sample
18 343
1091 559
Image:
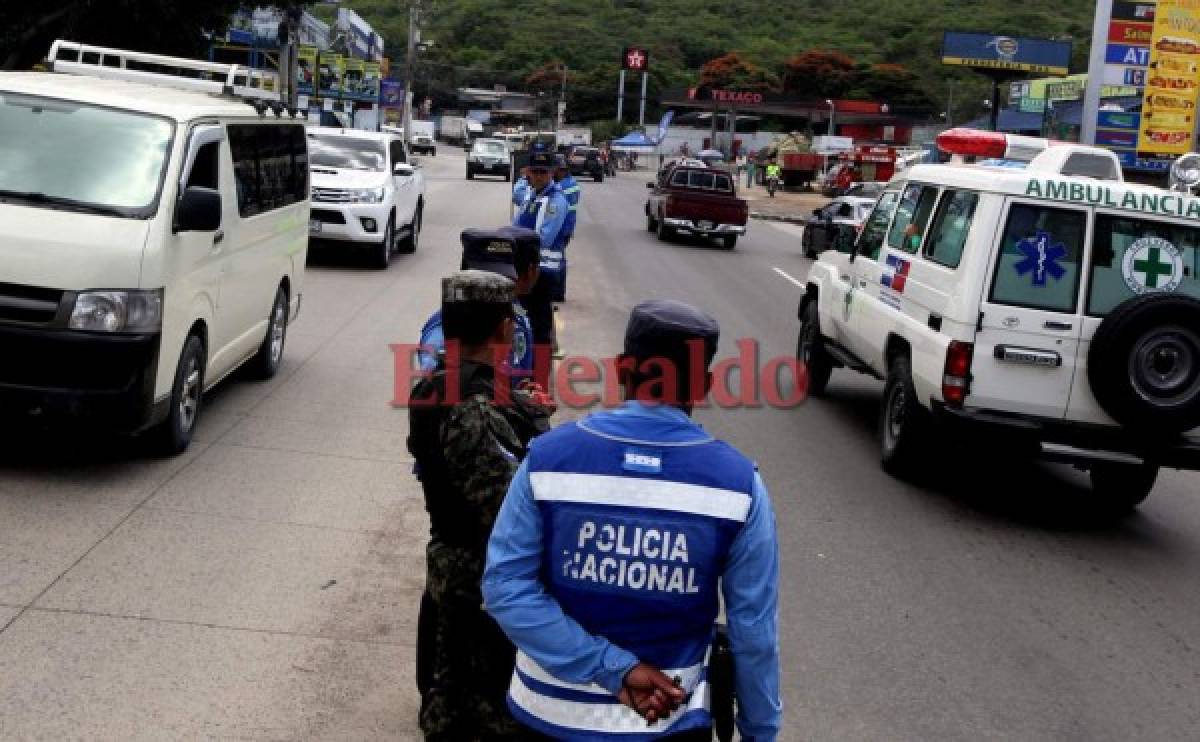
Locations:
352 82
306 70
332 69
1168 125
371 79
1006 53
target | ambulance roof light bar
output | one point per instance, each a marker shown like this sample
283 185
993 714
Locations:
991 144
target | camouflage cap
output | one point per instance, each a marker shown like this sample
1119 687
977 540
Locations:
481 287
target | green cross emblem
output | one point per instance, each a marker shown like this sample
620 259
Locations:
1153 267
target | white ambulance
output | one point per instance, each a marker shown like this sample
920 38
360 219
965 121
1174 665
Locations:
153 235
1033 300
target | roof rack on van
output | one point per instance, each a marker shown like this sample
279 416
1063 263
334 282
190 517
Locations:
155 69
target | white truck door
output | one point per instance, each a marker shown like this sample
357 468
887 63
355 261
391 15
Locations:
1027 343
406 191
847 295
1129 257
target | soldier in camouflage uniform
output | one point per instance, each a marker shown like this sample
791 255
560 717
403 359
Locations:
467 442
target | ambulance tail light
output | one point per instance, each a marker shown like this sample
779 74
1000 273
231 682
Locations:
990 144
956 377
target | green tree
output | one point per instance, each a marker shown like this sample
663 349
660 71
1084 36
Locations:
174 27
731 72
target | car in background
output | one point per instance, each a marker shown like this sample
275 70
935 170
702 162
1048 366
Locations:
840 219
423 144
365 192
489 157
871 189
698 201
586 161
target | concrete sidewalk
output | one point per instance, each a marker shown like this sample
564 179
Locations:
785 206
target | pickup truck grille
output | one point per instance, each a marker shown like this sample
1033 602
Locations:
327 216
28 304
331 195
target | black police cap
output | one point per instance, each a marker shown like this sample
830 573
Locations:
663 327
500 250
541 159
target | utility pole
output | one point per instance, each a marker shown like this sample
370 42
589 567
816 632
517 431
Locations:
621 97
408 69
562 98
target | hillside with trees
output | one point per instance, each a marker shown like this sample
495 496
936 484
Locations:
882 49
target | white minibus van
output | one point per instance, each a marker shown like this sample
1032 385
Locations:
153 235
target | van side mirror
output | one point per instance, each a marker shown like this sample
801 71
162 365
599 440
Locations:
198 210
404 169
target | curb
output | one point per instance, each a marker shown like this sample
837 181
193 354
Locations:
777 217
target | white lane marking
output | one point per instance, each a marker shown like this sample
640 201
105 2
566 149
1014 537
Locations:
785 275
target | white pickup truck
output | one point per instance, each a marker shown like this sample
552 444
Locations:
1033 303
365 192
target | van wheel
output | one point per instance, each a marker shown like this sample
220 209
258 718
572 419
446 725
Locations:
729 241
1119 488
266 361
173 435
651 223
383 251
470 173
599 177
806 243
903 422
409 243
810 350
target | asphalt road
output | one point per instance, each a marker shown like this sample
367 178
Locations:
264 585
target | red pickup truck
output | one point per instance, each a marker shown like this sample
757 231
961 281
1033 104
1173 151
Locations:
696 200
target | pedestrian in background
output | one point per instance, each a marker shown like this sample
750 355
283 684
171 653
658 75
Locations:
615 538
467 442
751 164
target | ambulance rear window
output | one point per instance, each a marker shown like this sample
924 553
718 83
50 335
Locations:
1139 256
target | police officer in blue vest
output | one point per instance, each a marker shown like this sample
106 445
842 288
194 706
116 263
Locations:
572 192
545 212
513 252
606 559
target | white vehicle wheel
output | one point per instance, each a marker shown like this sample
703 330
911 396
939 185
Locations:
383 251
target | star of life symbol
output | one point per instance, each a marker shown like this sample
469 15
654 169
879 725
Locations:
1152 265
1041 258
636 59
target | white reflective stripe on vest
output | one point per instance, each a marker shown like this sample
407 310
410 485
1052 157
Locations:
614 718
634 492
688 676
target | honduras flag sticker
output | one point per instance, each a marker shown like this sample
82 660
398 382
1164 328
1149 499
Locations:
643 461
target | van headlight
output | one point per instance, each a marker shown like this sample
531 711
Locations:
117 311
367 195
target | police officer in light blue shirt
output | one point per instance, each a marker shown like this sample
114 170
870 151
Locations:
572 192
514 253
617 533
545 212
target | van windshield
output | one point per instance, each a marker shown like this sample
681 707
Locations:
68 155
490 148
346 153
